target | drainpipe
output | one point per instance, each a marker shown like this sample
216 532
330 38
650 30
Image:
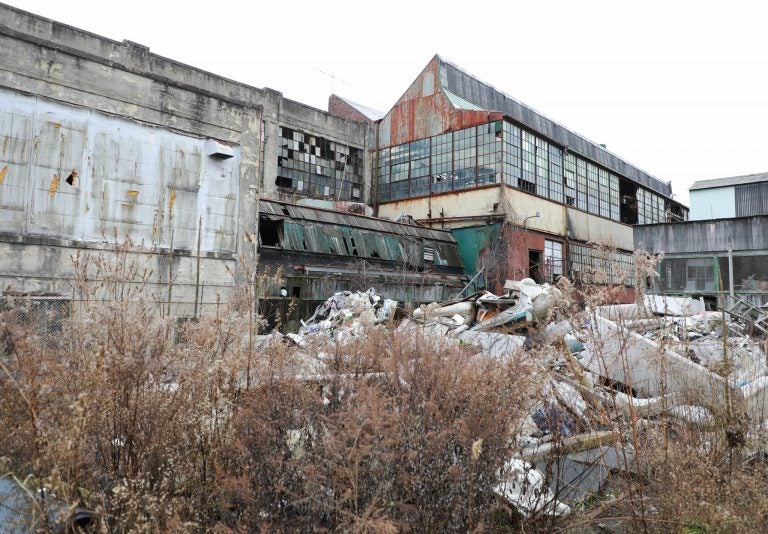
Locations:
730 275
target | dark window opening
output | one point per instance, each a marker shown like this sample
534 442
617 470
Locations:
270 232
71 178
296 292
570 201
675 212
352 248
628 207
282 181
525 185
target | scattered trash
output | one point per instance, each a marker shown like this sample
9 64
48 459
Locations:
629 364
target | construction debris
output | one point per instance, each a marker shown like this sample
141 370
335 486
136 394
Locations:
664 359
346 313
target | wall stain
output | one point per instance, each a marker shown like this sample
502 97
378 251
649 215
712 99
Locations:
3 172
172 200
5 145
54 185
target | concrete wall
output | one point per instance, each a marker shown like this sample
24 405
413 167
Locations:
103 140
586 227
455 207
718 203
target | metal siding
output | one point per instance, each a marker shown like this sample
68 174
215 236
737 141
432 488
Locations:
752 199
748 233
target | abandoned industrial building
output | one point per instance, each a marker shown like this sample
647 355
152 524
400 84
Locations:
104 140
722 253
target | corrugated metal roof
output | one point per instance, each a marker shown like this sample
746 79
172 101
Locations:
471 89
371 113
306 213
732 180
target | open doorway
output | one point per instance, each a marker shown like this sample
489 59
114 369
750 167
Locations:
534 265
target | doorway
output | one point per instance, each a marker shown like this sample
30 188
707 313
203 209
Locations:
534 265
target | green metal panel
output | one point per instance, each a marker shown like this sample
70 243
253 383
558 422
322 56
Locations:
471 241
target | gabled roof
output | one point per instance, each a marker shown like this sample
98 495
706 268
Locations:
733 180
370 113
457 83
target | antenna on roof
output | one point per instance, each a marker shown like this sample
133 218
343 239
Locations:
333 79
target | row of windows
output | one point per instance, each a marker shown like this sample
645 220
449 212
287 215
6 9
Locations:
318 167
501 151
449 162
599 266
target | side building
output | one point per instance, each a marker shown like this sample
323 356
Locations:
523 195
721 256
735 196
101 139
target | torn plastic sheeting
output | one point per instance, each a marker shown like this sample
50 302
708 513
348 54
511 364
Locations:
524 486
678 306
640 363
756 399
492 344
697 415
630 406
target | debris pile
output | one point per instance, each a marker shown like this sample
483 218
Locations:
346 314
665 359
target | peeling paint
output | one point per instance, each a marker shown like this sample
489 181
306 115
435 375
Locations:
132 193
54 185
3 173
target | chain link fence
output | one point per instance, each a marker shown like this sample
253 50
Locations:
40 316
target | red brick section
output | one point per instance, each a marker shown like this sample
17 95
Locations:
513 253
340 108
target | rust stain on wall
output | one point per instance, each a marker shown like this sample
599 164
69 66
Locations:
5 145
132 193
172 200
54 185
3 172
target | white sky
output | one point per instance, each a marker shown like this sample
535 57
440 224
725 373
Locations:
678 88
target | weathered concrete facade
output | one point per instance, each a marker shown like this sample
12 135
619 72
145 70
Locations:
102 140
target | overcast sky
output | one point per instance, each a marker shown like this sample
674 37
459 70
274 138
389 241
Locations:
677 88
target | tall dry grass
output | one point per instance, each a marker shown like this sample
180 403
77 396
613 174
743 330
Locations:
157 426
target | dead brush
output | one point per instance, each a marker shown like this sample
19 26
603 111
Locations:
408 438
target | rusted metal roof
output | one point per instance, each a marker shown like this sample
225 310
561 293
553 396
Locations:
455 81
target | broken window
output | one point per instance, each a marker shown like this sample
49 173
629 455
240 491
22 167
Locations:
628 208
318 167
270 232
553 260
